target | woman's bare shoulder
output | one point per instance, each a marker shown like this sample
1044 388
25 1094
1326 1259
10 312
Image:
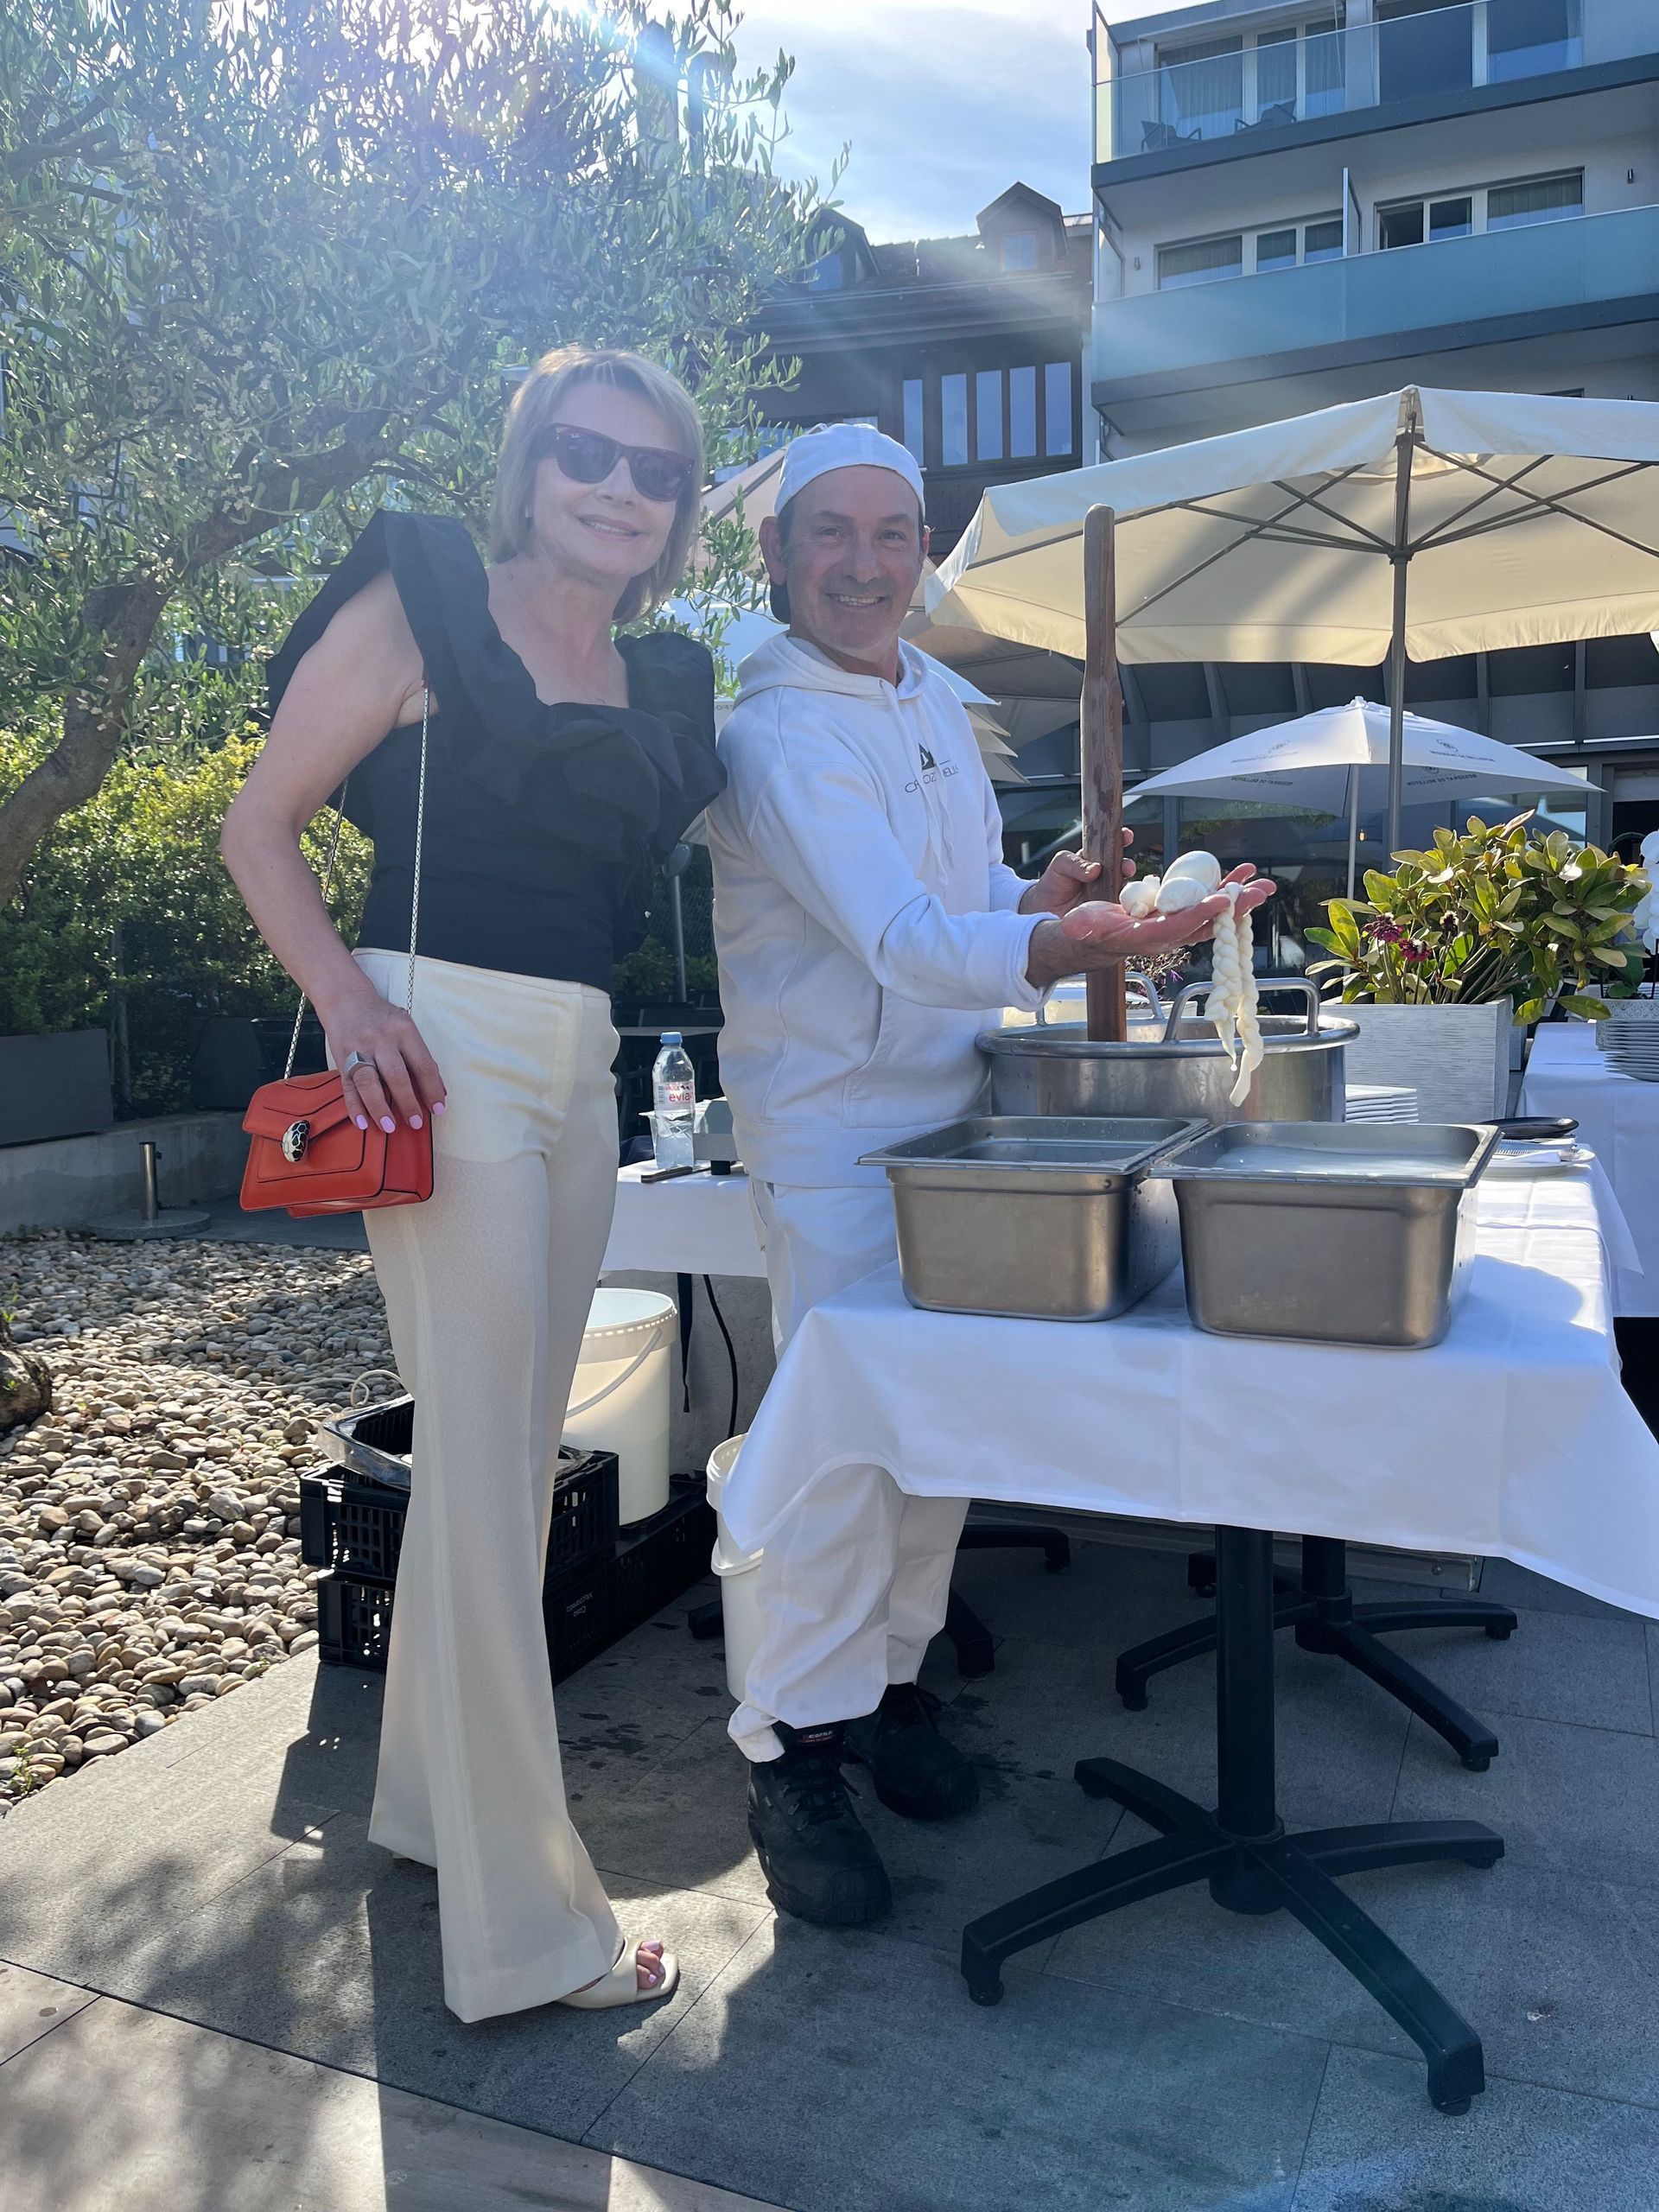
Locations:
367 659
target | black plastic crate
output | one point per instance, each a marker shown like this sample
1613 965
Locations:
578 1614
356 1525
660 1557
354 1619
354 1529
353 1623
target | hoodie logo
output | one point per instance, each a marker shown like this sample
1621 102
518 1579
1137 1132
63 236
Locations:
931 769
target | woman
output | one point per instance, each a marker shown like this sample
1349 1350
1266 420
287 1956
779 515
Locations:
563 762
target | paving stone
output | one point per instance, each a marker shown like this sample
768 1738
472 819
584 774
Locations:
148 2114
843 2074
332 1953
1378 2145
32 2006
1557 1666
1556 1972
1508 1585
1584 1801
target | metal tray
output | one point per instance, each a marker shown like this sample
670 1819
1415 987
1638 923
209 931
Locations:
1052 1218
1328 1233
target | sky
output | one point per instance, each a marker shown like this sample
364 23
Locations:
945 102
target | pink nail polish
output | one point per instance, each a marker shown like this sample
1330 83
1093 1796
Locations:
389 1125
362 1121
438 1109
414 1120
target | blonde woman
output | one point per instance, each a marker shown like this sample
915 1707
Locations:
563 761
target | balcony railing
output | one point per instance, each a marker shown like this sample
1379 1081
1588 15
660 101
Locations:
1258 81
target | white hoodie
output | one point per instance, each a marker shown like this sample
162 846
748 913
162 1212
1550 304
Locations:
865 921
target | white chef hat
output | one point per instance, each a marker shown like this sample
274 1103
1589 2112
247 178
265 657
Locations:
844 445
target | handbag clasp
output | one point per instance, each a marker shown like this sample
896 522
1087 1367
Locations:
295 1137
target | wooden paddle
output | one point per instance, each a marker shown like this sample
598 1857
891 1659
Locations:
1102 757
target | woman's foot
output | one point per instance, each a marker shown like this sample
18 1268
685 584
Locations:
649 1971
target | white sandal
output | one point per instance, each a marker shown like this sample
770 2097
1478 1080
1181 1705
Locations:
621 1984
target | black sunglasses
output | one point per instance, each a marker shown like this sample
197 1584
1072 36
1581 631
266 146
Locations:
585 457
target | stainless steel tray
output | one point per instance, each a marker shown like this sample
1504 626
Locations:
1328 1233
1051 1217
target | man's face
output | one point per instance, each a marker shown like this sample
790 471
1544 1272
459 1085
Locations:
851 563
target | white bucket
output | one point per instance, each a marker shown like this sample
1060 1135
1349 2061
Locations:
619 1399
740 1597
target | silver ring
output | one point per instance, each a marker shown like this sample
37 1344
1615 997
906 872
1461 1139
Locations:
354 1060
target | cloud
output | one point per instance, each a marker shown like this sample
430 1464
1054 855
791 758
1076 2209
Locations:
943 102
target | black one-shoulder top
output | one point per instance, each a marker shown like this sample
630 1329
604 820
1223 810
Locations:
545 823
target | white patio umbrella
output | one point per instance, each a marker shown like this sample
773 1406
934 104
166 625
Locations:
1415 526
1320 762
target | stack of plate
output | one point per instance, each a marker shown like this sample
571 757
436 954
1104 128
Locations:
1632 1047
1380 1101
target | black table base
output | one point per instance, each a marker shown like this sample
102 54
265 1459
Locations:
1243 1852
1322 1610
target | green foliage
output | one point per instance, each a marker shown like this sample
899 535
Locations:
1497 913
127 920
263 267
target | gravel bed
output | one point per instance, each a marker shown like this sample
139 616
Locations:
150 1535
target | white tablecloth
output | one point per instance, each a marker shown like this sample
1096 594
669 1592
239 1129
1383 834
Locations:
695 1226
1619 1119
1513 1437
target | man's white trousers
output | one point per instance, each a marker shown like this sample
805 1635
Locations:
853 1587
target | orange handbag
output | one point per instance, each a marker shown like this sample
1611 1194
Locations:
307 1153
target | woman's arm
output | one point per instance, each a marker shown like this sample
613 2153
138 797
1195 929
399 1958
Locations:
361 678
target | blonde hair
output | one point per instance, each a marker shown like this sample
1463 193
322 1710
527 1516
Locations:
535 405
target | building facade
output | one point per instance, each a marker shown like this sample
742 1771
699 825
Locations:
968 350
1300 205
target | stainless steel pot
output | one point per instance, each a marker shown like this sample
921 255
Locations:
1175 1067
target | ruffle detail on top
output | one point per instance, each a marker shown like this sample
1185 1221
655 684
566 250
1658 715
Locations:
610 780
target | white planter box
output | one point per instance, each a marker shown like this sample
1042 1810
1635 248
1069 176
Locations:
1455 1058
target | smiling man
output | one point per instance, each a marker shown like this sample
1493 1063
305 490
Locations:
867 930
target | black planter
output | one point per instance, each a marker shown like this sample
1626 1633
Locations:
55 1086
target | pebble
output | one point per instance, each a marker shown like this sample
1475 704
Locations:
149 1557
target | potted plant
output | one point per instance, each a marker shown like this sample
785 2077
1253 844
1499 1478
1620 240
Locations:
1480 938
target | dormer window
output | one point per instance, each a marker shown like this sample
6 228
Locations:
828 273
1018 250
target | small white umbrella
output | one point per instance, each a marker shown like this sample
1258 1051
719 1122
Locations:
1318 762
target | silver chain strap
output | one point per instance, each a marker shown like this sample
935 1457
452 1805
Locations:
415 891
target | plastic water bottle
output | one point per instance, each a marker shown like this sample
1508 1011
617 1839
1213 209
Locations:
673 1097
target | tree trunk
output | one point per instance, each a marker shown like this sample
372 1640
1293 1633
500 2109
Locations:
94 717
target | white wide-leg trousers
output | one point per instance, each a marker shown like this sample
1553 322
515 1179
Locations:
487 1288
853 1587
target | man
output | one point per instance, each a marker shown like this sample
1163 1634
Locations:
867 930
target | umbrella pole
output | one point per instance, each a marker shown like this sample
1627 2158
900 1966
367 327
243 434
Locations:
1353 828
1401 558
1102 726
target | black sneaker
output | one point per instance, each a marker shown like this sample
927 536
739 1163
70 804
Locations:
915 1770
819 1864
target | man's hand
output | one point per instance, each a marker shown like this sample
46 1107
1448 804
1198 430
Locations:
1068 881
1096 933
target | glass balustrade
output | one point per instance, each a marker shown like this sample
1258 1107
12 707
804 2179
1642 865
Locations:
1249 81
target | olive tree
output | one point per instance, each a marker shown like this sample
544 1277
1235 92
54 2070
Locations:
263 263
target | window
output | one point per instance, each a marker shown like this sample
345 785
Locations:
1525 38
1317 240
1202 88
913 397
1276 249
1020 250
1201 262
953 421
1545 199
1275 70
1058 434
1499 207
988 415
826 274
1022 414
1323 69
